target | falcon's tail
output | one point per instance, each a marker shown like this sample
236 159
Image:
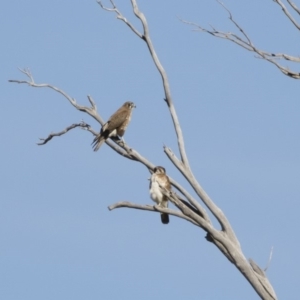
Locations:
97 142
164 218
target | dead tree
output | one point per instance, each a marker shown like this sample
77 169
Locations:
188 208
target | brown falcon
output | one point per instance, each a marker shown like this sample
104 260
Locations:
115 126
158 180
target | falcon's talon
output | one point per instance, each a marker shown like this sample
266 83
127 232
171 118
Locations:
116 138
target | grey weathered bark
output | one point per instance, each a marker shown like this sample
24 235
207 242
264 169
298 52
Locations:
188 208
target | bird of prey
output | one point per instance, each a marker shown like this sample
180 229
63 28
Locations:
115 126
160 180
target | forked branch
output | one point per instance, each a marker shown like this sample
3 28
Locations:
225 240
119 146
146 37
92 111
182 165
82 125
245 42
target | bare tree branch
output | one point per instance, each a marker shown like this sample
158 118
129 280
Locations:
154 208
245 42
262 278
120 16
225 240
89 110
146 37
119 146
191 200
287 13
126 151
219 215
293 5
82 125
202 221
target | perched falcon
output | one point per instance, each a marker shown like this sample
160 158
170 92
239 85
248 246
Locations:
115 126
160 179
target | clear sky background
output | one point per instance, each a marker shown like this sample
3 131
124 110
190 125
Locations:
240 118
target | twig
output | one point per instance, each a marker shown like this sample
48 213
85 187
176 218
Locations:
269 261
89 110
82 125
287 13
293 5
120 16
245 42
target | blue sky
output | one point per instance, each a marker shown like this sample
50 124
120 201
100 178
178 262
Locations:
240 118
